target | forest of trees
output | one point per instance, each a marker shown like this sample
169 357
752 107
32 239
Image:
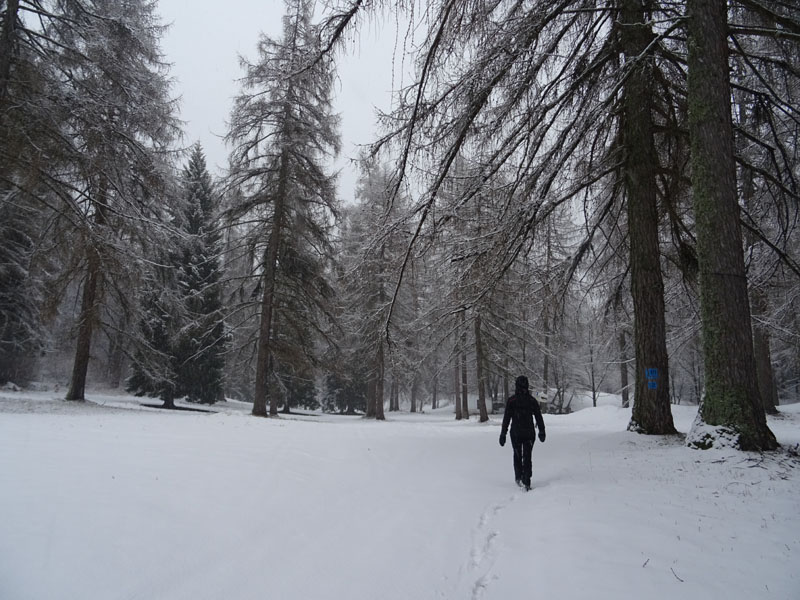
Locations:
603 196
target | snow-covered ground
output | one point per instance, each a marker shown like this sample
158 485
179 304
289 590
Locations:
107 500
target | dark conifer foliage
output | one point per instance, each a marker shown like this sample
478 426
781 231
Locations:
20 291
200 344
183 327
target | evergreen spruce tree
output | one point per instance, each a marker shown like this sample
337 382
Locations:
20 292
199 347
152 370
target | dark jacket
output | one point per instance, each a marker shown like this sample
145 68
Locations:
521 410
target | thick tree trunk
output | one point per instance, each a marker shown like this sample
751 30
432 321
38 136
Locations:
464 394
651 406
88 316
414 390
379 414
731 395
767 388
371 395
623 370
89 300
479 360
268 297
457 383
434 395
7 40
265 328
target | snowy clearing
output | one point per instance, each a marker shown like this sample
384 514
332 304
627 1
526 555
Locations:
108 500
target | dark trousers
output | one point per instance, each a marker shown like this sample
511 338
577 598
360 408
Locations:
523 449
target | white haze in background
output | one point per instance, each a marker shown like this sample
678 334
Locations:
205 40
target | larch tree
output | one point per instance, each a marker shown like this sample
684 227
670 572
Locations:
371 254
86 123
560 96
651 407
731 403
282 131
119 116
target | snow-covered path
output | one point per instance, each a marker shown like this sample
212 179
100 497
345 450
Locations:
98 502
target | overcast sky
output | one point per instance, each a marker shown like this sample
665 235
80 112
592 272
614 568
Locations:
203 44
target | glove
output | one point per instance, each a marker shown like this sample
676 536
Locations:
502 439
542 435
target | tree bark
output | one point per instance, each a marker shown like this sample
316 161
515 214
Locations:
766 375
651 406
731 395
457 383
623 370
371 395
479 360
546 357
268 297
89 301
379 414
464 394
88 315
7 37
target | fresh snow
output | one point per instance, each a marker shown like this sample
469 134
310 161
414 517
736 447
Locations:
110 500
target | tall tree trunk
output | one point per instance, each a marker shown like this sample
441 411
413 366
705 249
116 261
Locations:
414 390
457 382
731 398
371 395
592 375
116 356
506 384
767 388
479 362
651 413
766 380
268 297
434 395
623 370
546 357
464 394
379 414
88 315
7 38
89 301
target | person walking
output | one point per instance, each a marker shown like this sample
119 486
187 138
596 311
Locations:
521 410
